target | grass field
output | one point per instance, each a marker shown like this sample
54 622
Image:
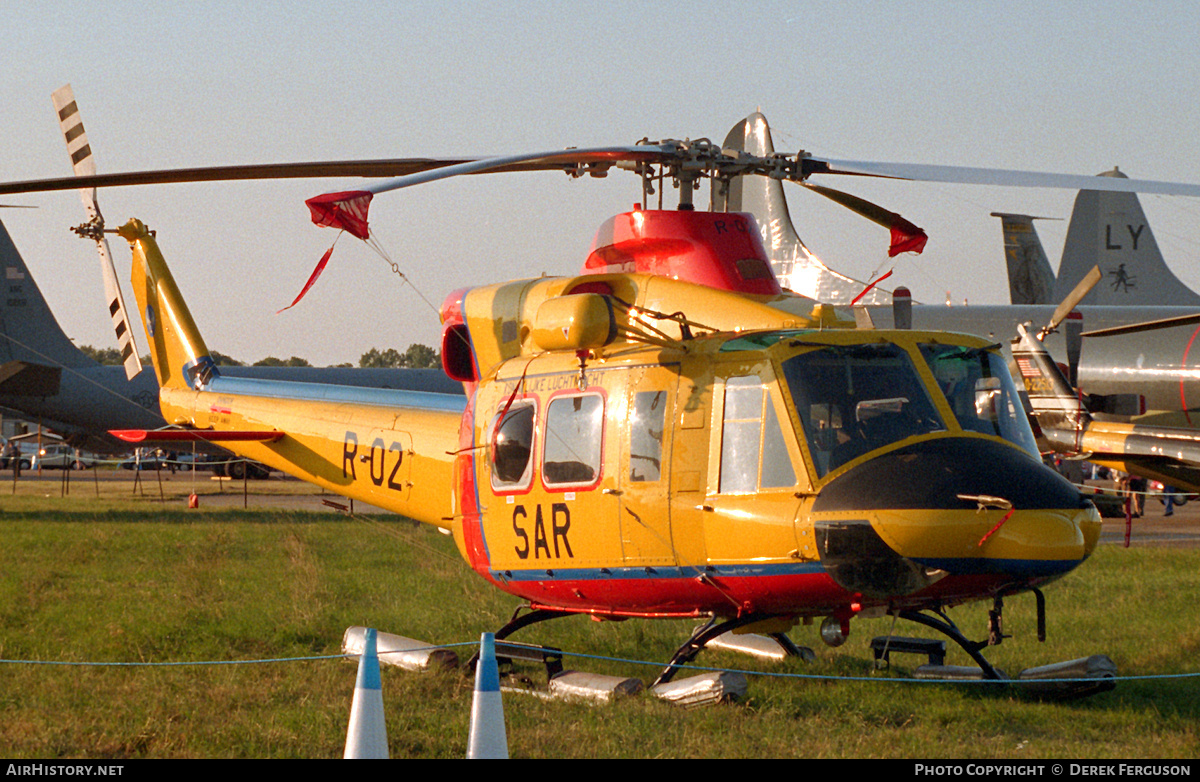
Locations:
126 578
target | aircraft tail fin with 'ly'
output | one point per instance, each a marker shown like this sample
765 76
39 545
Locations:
1110 230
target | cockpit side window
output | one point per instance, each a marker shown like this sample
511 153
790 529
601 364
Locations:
979 389
571 453
853 399
646 428
753 450
512 446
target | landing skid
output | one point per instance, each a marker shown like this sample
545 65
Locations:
712 629
1061 681
694 691
551 657
947 628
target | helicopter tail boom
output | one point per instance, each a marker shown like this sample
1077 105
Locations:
391 448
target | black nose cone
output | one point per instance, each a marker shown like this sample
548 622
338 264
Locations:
932 473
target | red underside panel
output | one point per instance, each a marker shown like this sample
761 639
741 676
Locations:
813 594
679 597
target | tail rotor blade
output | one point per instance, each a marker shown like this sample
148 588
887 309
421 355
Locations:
1064 309
84 164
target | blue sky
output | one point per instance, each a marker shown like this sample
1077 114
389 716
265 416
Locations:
1064 87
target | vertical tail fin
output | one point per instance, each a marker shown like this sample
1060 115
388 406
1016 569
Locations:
797 268
1030 279
181 359
28 329
1110 230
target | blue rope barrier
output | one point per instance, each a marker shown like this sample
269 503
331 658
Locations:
621 660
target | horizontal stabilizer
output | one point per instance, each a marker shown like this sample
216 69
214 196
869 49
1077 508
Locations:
25 378
200 435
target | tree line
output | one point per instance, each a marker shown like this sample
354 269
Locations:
416 356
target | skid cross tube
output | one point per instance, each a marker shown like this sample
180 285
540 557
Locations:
947 628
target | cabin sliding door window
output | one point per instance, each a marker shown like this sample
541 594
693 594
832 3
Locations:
646 427
571 454
753 450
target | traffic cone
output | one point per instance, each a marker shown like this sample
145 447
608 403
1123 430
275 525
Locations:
488 739
366 737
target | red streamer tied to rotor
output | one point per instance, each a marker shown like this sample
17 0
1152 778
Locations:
346 210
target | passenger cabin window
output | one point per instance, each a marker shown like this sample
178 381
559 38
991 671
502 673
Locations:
753 451
646 435
853 399
512 447
980 390
571 456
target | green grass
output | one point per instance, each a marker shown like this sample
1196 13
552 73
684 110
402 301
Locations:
119 578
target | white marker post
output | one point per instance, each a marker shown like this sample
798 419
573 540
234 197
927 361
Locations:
488 739
366 737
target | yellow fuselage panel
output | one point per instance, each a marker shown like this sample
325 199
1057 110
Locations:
498 316
575 503
637 508
751 528
396 459
1036 535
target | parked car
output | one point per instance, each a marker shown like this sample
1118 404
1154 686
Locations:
225 466
60 456
146 459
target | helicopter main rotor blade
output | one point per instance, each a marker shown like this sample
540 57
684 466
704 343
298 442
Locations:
348 210
1149 325
906 237
571 161
312 170
963 175
577 161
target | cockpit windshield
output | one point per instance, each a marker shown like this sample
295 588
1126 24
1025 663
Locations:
980 390
856 398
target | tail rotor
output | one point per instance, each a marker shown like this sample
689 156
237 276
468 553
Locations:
85 165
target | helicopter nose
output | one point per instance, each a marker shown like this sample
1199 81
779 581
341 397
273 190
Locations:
950 506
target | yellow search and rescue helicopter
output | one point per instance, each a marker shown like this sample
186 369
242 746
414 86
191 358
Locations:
669 434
